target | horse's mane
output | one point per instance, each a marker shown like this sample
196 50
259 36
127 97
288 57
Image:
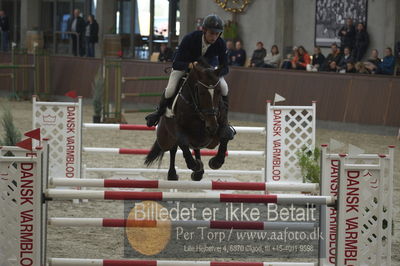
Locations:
209 69
203 62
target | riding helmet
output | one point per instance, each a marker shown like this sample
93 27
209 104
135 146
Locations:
214 23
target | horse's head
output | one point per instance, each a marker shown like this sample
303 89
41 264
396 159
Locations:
206 94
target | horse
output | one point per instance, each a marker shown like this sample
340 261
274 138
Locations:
198 113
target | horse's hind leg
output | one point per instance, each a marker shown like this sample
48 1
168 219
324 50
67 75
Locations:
172 175
197 175
218 160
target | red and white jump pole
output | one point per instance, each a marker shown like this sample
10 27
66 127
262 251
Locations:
66 194
238 225
100 262
205 185
132 127
146 151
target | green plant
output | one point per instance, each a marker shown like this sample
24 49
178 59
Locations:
11 134
97 91
309 163
231 31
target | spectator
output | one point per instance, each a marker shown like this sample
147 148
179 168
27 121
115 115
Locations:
239 55
372 63
230 49
166 53
345 59
302 59
77 24
4 31
386 67
317 60
347 34
332 60
287 63
273 60
361 42
374 58
350 67
361 69
257 59
91 35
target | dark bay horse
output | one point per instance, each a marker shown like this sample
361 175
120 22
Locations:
198 114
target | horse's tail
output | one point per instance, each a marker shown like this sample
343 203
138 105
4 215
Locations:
155 154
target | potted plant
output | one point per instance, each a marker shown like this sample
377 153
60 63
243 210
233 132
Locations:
97 91
231 31
309 163
11 134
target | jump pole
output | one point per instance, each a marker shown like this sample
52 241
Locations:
146 151
205 185
100 262
228 225
239 129
65 194
122 172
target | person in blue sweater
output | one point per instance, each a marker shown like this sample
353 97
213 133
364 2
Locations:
239 55
208 44
386 67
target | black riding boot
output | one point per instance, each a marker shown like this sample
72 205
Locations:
227 131
153 118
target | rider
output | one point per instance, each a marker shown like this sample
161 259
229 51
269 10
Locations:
209 44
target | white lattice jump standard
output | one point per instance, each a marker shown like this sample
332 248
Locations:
100 262
228 225
205 185
69 194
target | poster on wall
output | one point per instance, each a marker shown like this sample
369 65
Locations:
331 15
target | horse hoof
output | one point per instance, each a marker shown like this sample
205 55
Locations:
198 166
197 176
173 176
214 163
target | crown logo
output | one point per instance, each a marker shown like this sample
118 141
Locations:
50 119
4 176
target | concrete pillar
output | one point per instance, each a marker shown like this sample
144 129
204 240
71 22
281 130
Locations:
397 27
187 17
106 17
389 22
283 31
173 5
30 17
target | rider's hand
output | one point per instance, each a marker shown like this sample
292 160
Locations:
192 65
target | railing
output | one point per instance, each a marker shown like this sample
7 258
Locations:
68 33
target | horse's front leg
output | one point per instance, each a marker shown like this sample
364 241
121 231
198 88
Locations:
192 164
218 160
172 175
197 175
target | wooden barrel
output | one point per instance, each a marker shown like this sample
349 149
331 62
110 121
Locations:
32 37
112 45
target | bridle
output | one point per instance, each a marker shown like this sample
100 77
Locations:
195 99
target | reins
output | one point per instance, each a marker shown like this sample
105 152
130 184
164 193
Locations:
195 101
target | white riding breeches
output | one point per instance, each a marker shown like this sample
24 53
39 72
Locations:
176 75
174 78
224 86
